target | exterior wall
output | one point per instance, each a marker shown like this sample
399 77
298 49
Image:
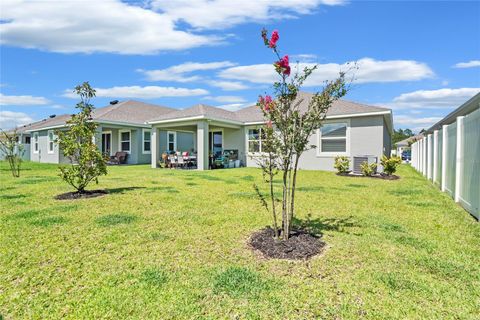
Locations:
235 139
185 141
387 141
42 155
365 136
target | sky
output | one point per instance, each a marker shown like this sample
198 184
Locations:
419 58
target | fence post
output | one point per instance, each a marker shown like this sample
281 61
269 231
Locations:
435 156
459 166
429 157
424 156
444 155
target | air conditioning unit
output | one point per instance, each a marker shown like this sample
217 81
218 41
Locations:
358 160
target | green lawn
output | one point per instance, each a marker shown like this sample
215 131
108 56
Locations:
169 244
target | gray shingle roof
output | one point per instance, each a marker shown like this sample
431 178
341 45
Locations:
339 107
133 112
199 110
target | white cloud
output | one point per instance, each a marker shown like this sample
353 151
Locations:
179 73
235 106
369 71
93 26
143 27
470 64
225 99
22 100
148 92
219 14
228 85
303 57
433 99
415 123
10 119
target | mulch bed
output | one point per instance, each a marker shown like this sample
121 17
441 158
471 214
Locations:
301 245
84 195
376 176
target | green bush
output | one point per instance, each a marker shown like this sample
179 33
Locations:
368 169
390 164
342 164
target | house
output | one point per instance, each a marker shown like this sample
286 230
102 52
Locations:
405 144
350 129
146 131
121 127
449 155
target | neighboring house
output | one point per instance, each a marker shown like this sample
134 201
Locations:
350 129
449 155
405 144
121 127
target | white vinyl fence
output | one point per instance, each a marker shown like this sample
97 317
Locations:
450 158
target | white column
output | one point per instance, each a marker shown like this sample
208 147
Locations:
429 156
444 156
202 145
459 166
154 146
435 156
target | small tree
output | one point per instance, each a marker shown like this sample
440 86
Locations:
13 150
285 137
77 143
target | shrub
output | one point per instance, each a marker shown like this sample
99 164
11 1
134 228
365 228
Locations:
368 169
342 164
390 164
13 151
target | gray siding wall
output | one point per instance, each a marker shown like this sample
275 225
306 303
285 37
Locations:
42 155
235 139
367 137
185 141
387 141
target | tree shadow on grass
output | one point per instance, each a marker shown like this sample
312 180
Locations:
115 219
122 189
318 226
48 221
167 189
12 196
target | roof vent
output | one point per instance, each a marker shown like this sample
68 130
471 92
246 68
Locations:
113 102
52 116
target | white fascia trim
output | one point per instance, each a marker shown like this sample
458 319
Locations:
46 128
202 117
120 123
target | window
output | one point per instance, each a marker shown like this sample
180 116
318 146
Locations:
125 141
333 138
254 140
35 142
147 138
171 141
50 141
27 140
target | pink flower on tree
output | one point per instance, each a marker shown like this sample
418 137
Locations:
273 40
269 123
266 103
283 66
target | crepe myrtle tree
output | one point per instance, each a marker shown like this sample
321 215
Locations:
285 135
13 150
77 143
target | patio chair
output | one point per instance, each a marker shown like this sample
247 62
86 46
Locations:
172 161
181 162
120 157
